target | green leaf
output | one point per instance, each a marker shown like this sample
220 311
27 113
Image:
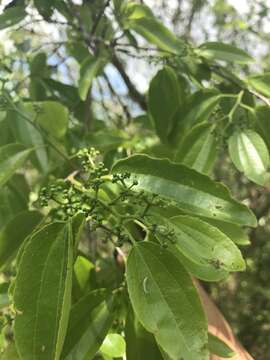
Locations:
12 157
219 348
205 245
140 344
89 70
166 302
192 192
144 23
198 149
13 198
44 7
234 232
42 293
113 345
82 269
250 155
198 108
219 51
12 16
90 320
164 86
14 233
10 353
26 133
263 124
51 115
260 83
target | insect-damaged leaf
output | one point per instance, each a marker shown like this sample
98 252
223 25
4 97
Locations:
192 192
166 302
42 293
205 246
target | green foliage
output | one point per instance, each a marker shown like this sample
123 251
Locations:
111 199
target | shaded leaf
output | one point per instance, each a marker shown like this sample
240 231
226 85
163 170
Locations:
139 342
14 233
12 16
198 148
42 293
12 157
198 108
90 320
164 86
89 70
263 123
166 302
51 115
10 353
219 348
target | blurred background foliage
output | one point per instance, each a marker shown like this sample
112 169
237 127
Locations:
41 52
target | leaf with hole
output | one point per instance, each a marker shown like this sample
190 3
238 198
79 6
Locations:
191 191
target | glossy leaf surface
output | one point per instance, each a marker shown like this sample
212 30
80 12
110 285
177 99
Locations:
192 192
166 302
250 155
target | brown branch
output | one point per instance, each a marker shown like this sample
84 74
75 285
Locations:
133 92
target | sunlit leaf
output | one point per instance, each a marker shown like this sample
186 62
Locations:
191 191
225 52
166 302
250 155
